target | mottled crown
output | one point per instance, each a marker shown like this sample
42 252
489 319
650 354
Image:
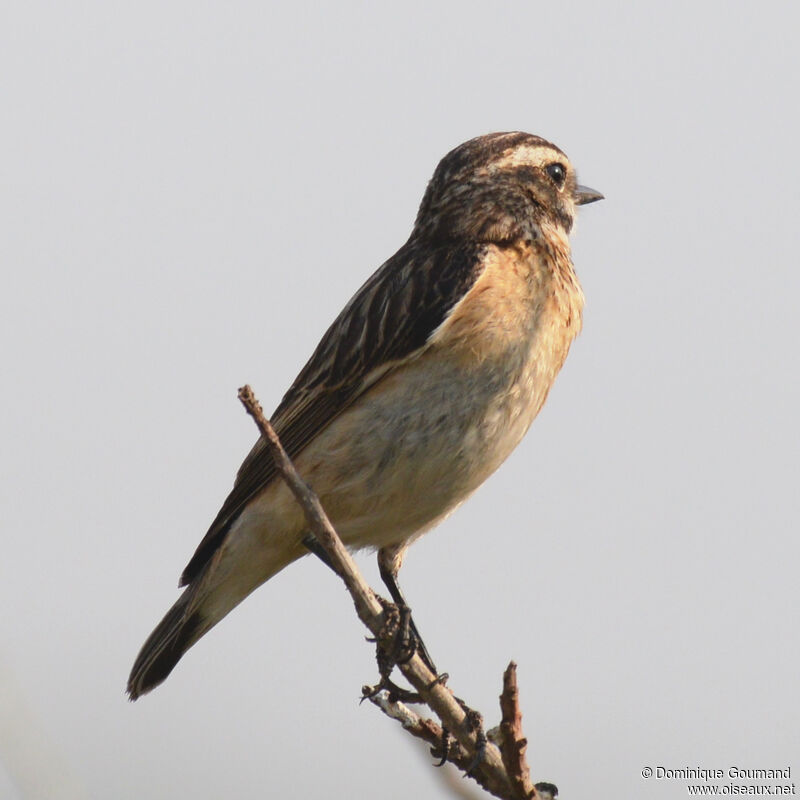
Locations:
498 187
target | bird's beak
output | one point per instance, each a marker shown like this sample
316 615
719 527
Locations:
584 195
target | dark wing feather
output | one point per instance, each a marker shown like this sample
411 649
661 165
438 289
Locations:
388 320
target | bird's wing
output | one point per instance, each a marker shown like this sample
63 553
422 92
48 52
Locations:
388 322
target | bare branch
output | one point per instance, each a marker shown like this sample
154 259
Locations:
431 732
425 729
513 742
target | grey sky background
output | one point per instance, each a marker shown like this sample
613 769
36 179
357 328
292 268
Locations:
190 192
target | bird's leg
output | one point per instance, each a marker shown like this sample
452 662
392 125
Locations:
389 561
313 546
387 657
404 634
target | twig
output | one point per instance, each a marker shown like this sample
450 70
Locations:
491 772
420 727
513 742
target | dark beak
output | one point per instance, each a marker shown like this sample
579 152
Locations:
584 195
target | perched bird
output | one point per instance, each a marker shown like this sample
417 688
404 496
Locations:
420 389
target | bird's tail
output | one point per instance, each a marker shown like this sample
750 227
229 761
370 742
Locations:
181 627
217 590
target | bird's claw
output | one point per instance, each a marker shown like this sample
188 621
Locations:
398 640
474 722
445 748
396 694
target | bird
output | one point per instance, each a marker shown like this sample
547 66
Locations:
423 385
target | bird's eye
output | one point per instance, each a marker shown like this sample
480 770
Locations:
557 172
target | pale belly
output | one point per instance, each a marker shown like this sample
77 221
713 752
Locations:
419 444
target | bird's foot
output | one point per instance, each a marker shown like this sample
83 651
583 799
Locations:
399 639
396 643
395 692
443 748
474 722
408 639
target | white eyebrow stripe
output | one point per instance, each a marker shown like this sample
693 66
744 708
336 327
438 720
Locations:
524 155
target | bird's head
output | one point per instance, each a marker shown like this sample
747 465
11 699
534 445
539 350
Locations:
501 187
